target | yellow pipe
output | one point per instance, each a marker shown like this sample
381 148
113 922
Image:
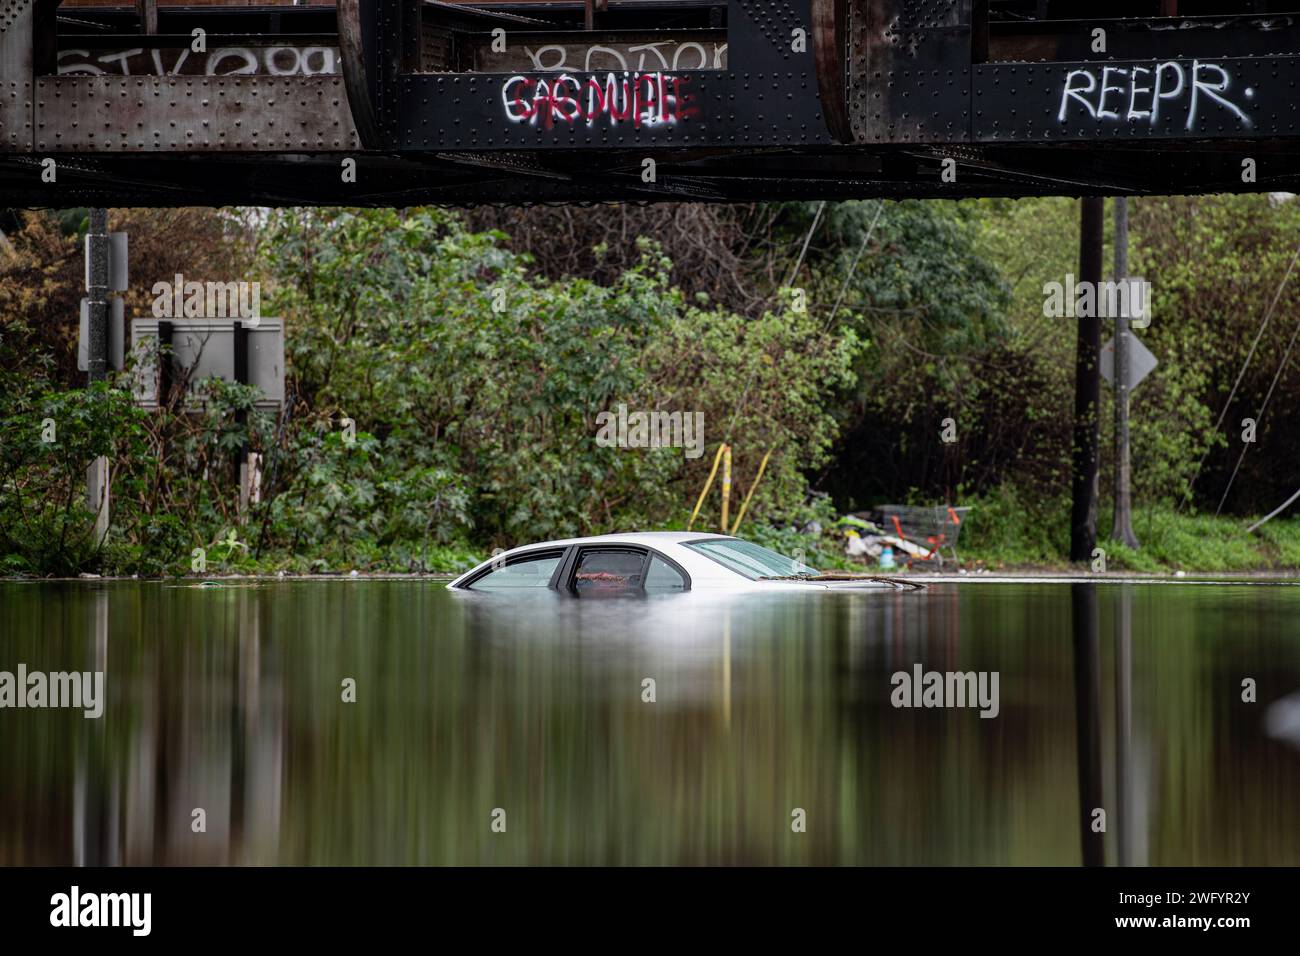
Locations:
744 505
726 486
717 459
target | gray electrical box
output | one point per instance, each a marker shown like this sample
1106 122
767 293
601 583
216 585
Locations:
205 348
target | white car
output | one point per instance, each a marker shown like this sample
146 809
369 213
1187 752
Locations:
656 562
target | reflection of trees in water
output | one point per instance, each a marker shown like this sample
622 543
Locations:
940 786
228 699
203 731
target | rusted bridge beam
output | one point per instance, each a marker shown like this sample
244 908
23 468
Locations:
779 99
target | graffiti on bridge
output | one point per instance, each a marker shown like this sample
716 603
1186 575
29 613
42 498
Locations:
226 61
644 53
1132 93
641 99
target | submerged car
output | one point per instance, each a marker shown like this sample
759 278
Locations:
657 562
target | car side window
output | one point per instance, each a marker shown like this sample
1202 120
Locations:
608 572
525 572
663 577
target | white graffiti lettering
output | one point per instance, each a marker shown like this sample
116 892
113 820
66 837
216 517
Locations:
644 57
226 61
1139 93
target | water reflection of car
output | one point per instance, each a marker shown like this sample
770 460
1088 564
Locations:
657 562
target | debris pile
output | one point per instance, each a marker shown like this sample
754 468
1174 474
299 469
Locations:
903 533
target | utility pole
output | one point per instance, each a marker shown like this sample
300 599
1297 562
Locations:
1123 528
1087 388
97 351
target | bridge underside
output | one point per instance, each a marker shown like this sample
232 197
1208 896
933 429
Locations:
641 100
460 179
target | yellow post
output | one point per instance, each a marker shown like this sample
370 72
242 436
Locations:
726 486
744 505
717 459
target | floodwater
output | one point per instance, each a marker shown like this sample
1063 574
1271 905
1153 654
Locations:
506 730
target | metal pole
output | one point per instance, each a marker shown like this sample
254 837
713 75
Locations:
1087 390
247 476
97 290
97 474
1123 527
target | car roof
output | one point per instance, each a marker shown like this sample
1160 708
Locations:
647 538
701 569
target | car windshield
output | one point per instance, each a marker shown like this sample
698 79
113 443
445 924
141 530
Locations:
751 560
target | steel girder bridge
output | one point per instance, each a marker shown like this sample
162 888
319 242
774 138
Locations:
401 102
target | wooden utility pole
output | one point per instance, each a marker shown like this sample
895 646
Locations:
1087 389
1123 527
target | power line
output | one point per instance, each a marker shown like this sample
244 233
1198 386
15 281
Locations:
806 239
854 267
1240 375
793 272
1260 417
1267 518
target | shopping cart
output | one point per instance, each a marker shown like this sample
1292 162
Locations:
934 529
